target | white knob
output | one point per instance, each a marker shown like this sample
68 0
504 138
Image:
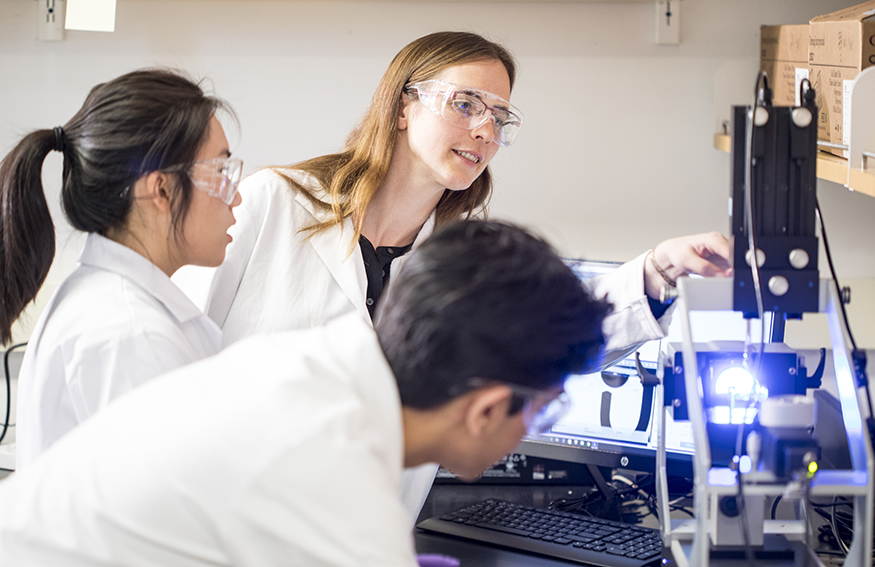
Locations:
801 116
761 258
799 258
778 285
760 116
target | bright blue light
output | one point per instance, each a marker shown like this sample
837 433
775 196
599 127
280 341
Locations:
744 393
734 380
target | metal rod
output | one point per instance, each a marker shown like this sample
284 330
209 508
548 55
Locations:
831 145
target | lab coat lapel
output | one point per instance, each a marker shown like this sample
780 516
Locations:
333 247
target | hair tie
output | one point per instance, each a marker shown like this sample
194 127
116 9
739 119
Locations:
60 139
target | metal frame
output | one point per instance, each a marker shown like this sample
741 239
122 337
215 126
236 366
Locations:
690 540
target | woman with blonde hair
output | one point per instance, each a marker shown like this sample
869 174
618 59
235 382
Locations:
318 239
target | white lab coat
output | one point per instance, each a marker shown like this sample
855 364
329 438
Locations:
284 449
274 278
116 322
277 276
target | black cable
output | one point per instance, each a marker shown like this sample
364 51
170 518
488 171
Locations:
832 269
842 546
683 509
748 196
8 387
775 505
758 294
841 303
832 505
831 531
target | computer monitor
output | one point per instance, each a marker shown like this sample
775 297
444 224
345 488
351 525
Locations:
611 420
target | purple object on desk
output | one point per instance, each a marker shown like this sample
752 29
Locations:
434 560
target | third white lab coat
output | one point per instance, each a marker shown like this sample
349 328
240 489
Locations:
274 279
276 276
282 450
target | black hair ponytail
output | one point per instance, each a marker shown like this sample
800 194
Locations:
27 235
143 121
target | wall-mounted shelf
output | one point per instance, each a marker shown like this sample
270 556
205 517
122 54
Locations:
829 167
853 173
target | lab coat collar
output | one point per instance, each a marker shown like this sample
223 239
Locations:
341 256
325 214
334 245
316 191
105 254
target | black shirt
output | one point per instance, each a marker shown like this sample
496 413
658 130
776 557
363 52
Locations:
657 308
377 264
379 260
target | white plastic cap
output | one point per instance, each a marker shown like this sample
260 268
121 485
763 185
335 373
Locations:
788 411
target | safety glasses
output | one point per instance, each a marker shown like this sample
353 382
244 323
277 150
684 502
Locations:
542 409
469 108
218 177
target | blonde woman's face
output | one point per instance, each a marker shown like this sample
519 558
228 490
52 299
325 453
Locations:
450 156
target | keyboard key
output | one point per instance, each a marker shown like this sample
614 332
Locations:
504 529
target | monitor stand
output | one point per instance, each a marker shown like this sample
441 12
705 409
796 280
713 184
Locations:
601 502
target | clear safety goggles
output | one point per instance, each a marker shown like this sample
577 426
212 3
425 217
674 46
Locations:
541 409
218 177
467 108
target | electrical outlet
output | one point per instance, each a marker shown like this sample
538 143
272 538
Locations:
50 20
668 22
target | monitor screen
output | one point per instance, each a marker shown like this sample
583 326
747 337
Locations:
611 420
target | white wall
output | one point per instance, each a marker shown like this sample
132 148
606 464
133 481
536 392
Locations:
616 153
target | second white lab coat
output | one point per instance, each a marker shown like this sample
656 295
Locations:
116 322
275 278
276 275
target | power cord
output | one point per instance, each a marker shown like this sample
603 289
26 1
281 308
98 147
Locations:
858 356
761 97
623 489
838 527
8 376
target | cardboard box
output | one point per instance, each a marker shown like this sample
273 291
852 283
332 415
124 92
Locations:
784 58
840 46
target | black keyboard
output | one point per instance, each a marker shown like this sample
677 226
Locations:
563 535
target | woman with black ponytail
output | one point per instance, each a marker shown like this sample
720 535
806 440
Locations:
133 156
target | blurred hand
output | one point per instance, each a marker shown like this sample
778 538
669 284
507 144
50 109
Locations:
706 254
